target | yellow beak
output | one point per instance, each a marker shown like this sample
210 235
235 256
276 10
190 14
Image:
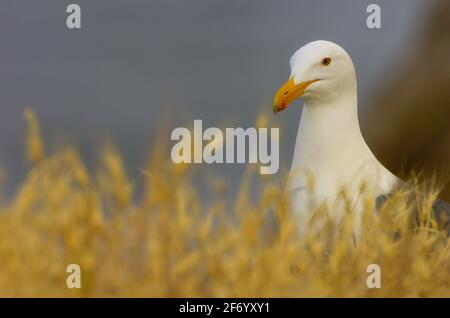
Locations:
288 93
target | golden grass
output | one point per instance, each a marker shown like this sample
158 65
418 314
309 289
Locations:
168 243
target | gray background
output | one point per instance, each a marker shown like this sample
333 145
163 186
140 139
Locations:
133 61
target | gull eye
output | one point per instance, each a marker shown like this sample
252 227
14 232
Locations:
326 61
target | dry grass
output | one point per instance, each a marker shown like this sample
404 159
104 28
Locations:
169 243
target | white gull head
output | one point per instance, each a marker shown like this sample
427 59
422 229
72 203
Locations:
328 64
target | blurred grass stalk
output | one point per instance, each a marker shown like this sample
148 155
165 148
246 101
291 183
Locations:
169 243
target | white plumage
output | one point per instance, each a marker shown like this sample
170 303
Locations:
330 153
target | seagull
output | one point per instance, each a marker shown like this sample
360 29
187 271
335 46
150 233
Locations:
331 158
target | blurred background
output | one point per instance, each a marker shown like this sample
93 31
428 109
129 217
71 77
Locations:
408 119
135 62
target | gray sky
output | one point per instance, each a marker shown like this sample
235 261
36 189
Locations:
216 60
